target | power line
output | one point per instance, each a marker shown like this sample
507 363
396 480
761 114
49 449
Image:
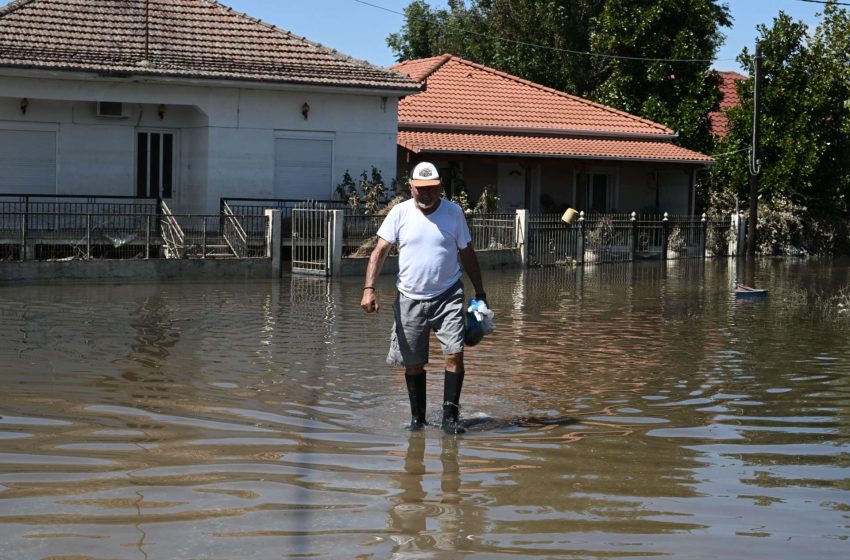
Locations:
585 53
730 153
825 2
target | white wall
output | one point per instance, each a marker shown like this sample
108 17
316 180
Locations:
225 134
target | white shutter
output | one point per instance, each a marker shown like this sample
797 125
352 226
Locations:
28 161
303 168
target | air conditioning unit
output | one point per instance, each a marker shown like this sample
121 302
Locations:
110 109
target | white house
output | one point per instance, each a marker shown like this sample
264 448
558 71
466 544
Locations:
187 100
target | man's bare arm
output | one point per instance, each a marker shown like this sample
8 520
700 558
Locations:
473 270
369 301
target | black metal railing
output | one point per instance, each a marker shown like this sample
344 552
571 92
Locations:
23 236
608 238
258 207
492 231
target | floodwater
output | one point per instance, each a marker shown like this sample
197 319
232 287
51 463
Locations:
617 412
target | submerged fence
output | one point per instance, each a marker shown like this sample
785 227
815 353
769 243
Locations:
55 227
488 231
610 238
69 236
593 238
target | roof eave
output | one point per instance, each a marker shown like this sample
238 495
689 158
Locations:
152 77
537 131
704 163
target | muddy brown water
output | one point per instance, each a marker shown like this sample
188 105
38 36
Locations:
619 412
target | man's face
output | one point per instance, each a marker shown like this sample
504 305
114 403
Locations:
426 197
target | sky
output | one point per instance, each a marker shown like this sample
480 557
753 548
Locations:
359 30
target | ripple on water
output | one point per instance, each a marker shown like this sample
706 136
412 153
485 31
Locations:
615 412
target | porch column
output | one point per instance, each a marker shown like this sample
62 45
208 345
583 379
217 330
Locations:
522 235
527 170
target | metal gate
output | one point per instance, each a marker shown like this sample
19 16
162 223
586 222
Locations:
311 235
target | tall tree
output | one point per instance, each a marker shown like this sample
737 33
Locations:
805 123
503 34
677 94
539 40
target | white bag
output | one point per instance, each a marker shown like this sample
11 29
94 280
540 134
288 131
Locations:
483 314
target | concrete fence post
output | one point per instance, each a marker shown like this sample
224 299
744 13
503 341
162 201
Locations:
204 238
703 235
147 236
743 225
522 235
634 244
88 236
580 239
335 237
732 238
665 235
274 237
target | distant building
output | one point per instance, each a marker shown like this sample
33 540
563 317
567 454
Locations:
540 148
728 99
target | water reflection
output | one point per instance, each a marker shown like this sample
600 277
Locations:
617 411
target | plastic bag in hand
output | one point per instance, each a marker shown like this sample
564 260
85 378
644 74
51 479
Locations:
483 314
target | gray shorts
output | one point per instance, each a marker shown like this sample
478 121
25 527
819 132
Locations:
414 321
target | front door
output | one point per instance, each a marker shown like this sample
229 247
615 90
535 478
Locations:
599 197
511 187
155 151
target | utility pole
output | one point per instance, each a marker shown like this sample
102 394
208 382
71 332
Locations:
755 163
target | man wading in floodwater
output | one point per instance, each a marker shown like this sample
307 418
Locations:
431 233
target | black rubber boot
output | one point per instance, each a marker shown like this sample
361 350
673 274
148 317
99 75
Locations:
416 392
451 403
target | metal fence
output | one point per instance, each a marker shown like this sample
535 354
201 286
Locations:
52 209
359 234
551 241
258 207
718 236
69 236
611 238
489 232
607 238
311 235
492 231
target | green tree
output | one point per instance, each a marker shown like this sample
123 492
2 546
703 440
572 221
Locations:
501 34
533 39
805 127
677 94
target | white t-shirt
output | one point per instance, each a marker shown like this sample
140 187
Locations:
428 263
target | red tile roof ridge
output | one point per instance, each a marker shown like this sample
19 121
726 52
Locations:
661 128
439 60
734 74
13 5
276 29
245 48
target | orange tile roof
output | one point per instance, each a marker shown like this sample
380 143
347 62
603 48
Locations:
463 93
176 38
547 146
728 99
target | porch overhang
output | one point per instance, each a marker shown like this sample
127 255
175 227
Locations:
606 149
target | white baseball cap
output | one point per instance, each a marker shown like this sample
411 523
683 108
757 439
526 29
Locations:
425 175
